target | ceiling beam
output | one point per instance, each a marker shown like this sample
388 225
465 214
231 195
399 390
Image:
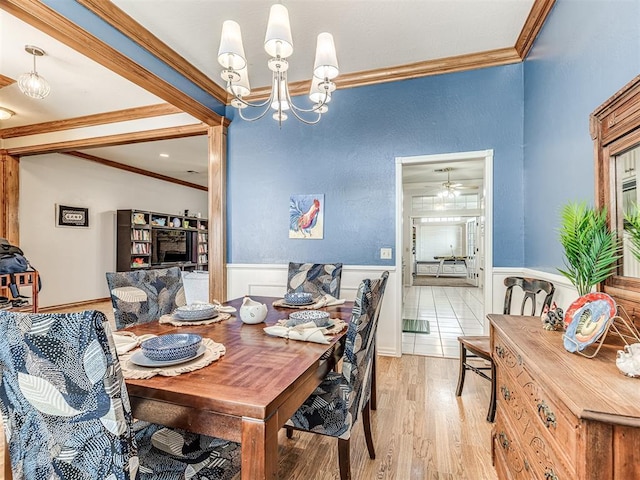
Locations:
532 26
91 120
38 15
5 81
111 140
122 22
129 168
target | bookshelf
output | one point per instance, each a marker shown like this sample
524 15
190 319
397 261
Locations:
203 245
147 239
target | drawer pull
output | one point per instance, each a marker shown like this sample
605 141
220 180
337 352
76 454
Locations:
549 474
504 441
548 417
506 394
500 351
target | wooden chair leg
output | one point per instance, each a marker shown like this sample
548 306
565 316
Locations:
491 415
463 369
366 422
373 397
344 459
289 431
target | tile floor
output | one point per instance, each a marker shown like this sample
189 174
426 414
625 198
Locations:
451 311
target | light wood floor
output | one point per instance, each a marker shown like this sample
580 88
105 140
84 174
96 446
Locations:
421 429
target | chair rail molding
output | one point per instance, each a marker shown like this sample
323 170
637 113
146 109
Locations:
271 280
564 295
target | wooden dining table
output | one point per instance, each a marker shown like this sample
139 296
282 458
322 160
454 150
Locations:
248 394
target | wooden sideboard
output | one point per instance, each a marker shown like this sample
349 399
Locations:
560 416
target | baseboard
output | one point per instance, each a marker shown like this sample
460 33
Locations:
74 305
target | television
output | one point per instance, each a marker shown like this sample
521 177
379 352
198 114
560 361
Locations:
170 246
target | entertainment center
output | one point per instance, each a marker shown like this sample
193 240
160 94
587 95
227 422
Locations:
153 240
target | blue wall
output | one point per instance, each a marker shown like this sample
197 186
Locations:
586 51
350 157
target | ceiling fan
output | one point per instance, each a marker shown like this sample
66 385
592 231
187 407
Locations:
449 188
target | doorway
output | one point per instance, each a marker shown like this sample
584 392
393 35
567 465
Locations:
443 222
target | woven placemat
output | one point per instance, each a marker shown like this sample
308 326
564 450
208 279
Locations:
169 318
338 325
132 371
312 306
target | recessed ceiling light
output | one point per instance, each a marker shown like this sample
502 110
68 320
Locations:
164 155
5 113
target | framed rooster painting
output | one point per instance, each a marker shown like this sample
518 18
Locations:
306 216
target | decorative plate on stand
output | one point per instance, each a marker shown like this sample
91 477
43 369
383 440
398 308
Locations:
587 319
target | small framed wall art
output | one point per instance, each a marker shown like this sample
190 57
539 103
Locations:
306 216
72 216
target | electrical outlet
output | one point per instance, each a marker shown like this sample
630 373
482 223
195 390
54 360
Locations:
385 253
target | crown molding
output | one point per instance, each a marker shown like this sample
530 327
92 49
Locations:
532 26
128 168
472 61
91 120
111 140
5 81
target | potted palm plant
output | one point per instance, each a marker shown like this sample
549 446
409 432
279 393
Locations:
591 249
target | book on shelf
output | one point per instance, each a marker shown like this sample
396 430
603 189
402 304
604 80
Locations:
140 249
137 234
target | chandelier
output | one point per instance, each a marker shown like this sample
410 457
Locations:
279 46
32 84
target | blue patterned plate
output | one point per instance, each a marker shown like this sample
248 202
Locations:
298 298
173 346
319 317
138 358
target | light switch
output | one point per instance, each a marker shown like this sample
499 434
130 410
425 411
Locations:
385 253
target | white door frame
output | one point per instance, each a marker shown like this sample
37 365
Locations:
487 155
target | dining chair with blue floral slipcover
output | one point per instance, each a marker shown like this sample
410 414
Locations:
334 406
315 278
141 296
381 285
67 415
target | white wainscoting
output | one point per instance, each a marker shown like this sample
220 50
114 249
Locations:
271 280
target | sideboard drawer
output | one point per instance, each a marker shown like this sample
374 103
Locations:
512 458
545 454
558 423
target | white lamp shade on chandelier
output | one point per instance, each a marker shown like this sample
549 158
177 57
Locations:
32 84
278 41
326 64
231 51
278 44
